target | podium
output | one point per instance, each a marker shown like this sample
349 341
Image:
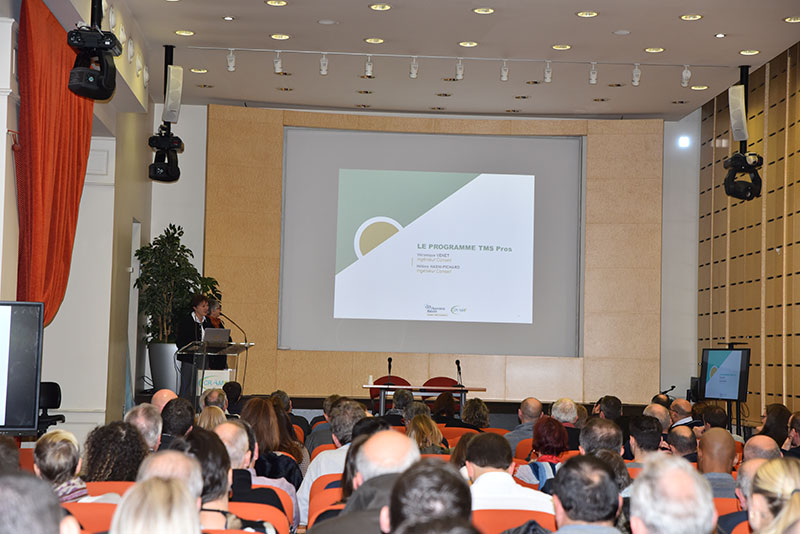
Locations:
202 355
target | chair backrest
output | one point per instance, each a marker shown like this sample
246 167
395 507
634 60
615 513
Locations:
312 517
322 481
321 421
726 506
454 433
261 512
101 488
566 455
742 528
374 393
323 499
225 531
286 500
443 457
319 448
93 516
500 431
440 381
634 471
49 396
287 454
496 521
400 429
524 448
301 437
26 459
526 484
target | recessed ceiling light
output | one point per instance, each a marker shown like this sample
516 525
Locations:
365 77
373 40
276 3
621 32
451 79
205 86
172 0
483 10
363 106
199 71
364 92
792 20
512 111
228 18
691 16
654 50
468 44
444 94
327 22
522 97
533 82
680 101
600 99
699 87
283 73
561 47
184 33
380 7
749 52
437 108
720 36
586 14
280 36
284 89
616 85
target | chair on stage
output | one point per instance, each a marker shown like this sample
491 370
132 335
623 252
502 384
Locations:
440 381
497 521
375 393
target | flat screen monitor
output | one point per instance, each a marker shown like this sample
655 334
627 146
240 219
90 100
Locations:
724 374
20 365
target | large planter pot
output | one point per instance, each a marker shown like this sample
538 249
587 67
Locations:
163 366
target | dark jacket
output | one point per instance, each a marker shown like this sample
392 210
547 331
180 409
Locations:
362 513
273 465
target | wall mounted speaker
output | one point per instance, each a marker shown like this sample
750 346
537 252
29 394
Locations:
738 110
172 98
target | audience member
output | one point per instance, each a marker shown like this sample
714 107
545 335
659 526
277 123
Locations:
260 414
549 441
662 399
698 409
585 497
662 414
792 448
28 505
113 452
565 411
147 419
369 426
156 505
177 418
378 463
528 413
350 469
680 413
761 447
682 442
599 433
286 403
670 497
744 491
429 489
716 456
714 417
608 407
645 437
414 409
775 501
624 482
400 400
210 418
490 465
233 390
162 397
448 525
776 423
321 433
57 460
583 416
475 414
287 438
9 456
444 408
173 464
458 455
426 434
342 419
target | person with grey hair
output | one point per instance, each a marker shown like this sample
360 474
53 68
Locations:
744 492
177 465
414 409
28 505
565 411
761 447
662 414
670 497
379 462
401 399
214 397
147 418
530 409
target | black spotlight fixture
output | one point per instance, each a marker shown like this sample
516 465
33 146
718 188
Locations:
94 75
165 164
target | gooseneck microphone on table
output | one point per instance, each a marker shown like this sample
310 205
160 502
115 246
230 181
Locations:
389 377
458 368
246 348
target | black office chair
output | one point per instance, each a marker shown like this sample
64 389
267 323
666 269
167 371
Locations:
49 399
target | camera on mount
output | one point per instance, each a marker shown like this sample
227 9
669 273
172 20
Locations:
165 164
748 164
165 141
93 75
86 37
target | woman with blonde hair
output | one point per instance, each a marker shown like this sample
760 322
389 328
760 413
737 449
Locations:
157 505
775 503
424 431
210 418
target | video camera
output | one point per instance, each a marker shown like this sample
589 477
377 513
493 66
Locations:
165 164
93 75
740 163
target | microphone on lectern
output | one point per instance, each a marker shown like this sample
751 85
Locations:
389 380
458 367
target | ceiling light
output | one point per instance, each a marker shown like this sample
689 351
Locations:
323 65
275 3
368 67
699 87
172 0
522 97
413 69
468 44
792 20
228 18
437 108
459 70
548 72
364 92
285 89
380 7
363 106
691 17
621 32
444 95
327 22
512 111
205 86
586 14
654 50
686 75
720 36
749 52
561 47
684 141
199 71
533 82
637 75
680 101
483 10
593 74
277 64
373 40
231 61
504 72
280 36
600 99
184 33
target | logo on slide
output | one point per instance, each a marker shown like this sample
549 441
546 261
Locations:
456 310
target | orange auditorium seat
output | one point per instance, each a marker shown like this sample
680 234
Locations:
101 488
566 455
26 459
321 482
496 521
320 448
312 517
286 500
742 528
443 457
301 437
93 516
322 501
634 471
726 506
524 448
454 433
400 429
261 512
526 484
500 431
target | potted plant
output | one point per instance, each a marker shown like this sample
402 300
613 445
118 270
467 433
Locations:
166 283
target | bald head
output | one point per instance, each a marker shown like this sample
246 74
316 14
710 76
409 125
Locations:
234 436
162 397
716 452
761 447
530 410
385 452
173 465
660 413
680 409
682 441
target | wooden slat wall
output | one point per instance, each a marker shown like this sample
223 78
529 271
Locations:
749 252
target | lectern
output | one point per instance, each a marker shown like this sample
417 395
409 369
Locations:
202 355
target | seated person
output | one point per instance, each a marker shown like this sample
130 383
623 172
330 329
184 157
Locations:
424 431
286 403
716 456
157 505
9 456
549 441
28 505
147 418
585 496
645 437
444 409
321 433
528 413
177 419
400 400
475 415
114 452
458 456
260 414
210 418
775 502
682 442
233 391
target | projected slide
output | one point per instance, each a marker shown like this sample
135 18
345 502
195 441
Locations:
434 246
722 378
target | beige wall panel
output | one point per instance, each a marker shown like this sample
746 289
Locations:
611 157
641 379
704 204
623 201
704 227
633 336
737 242
311 373
478 370
396 124
549 127
622 290
245 244
473 127
249 189
776 119
547 379
321 120
718 325
412 367
640 127
272 117
623 246
247 143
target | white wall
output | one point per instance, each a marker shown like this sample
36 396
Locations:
75 350
9 116
679 254
183 202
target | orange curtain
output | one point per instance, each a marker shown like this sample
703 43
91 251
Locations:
55 133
